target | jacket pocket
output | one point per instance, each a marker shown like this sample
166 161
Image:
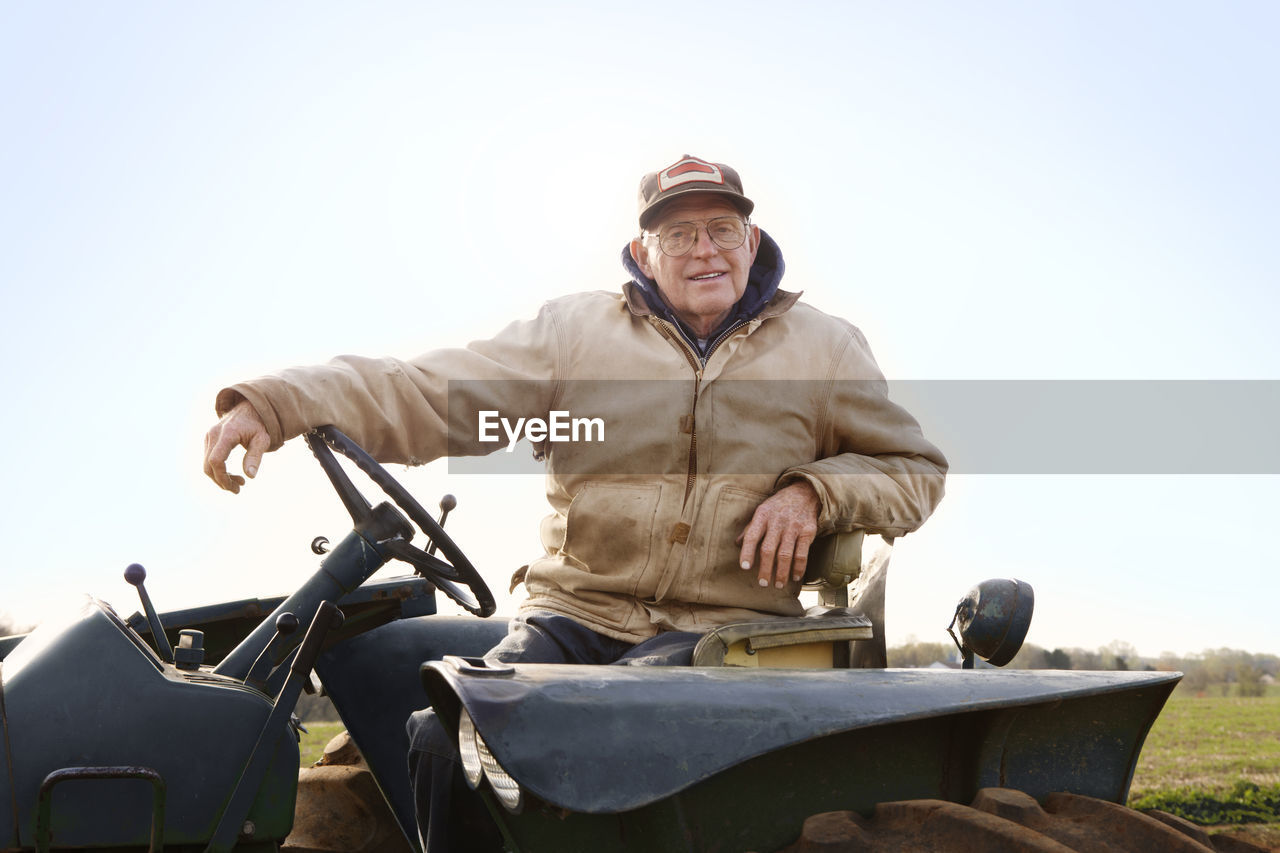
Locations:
609 533
720 579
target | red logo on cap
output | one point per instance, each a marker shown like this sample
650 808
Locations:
686 170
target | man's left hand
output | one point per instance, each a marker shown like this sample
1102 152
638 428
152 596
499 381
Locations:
782 529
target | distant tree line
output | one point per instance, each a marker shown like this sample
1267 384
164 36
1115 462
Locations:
1226 672
1229 672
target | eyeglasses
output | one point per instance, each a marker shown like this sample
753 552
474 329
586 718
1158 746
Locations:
676 239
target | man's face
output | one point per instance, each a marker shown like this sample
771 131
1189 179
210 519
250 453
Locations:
702 285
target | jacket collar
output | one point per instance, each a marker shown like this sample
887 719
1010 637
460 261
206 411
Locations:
762 298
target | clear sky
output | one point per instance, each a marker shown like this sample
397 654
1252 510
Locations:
192 194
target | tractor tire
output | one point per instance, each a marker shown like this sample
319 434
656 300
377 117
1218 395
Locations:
340 809
1001 820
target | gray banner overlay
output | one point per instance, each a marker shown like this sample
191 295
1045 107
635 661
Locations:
1098 427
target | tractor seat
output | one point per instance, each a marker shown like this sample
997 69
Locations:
807 642
838 633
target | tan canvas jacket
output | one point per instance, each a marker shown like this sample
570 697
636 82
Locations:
642 526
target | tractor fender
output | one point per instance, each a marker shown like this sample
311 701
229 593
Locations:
608 739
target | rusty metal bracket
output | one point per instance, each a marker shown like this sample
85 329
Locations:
44 811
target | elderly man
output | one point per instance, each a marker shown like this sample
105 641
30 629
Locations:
748 423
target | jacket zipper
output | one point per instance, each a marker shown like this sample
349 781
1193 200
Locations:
697 364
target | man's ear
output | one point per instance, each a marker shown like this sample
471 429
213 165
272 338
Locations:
640 255
755 242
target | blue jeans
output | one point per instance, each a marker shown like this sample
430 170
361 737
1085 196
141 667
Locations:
451 817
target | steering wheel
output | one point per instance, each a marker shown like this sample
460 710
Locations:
457 578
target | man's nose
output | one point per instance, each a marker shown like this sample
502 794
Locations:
704 246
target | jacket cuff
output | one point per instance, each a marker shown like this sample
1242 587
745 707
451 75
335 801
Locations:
228 398
795 475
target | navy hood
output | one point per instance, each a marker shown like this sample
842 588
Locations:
762 284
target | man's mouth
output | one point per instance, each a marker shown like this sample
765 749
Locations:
705 276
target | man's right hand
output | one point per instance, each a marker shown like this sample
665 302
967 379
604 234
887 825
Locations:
242 427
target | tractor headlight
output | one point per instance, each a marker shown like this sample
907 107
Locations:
468 750
477 761
504 787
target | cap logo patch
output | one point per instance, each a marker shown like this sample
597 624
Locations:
688 170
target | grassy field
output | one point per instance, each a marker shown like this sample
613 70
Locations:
1215 760
1210 743
315 739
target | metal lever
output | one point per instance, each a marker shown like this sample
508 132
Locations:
255 769
135 575
286 624
447 503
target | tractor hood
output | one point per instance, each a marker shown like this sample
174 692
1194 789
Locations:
600 739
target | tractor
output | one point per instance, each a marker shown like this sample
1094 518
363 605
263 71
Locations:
177 731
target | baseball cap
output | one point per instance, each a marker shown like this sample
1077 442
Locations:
688 175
